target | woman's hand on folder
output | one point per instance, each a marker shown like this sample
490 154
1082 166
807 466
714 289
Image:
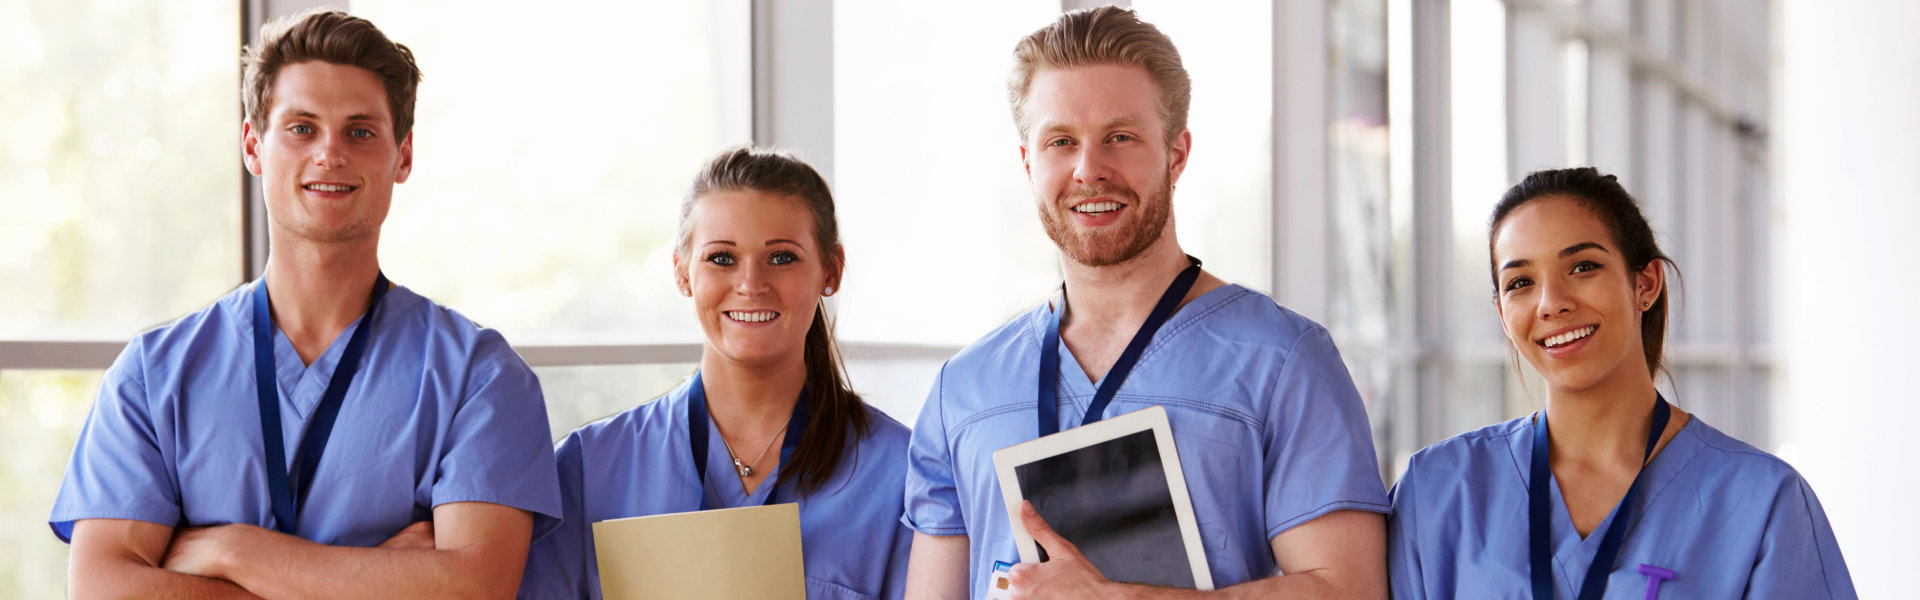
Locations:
1066 574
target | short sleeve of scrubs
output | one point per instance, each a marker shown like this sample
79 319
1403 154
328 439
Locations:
1317 431
496 448
1403 556
556 564
117 470
1799 556
932 501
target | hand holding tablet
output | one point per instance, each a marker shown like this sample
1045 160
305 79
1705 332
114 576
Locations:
1114 493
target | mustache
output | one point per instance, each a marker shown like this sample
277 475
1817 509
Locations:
1089 192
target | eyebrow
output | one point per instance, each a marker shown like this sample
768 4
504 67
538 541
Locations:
769 242
1114 123
310 115
1568 251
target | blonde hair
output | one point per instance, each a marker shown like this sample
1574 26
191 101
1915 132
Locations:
1107 35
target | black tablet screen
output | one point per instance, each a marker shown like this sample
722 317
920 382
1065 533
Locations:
1111 500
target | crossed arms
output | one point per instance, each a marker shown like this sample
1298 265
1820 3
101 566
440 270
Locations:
469 550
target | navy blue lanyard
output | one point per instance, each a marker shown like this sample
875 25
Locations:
288 499
697 437
1540 512
1050 353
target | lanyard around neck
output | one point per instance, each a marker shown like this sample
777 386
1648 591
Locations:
697 438
1050 353
1540 512
289 497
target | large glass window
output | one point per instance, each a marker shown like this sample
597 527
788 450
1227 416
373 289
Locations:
580 395
120 164
554 143
1475 394
41 413
942 239
935 210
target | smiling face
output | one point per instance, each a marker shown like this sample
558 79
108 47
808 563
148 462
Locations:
1568 301
755 273
327 157
1101 167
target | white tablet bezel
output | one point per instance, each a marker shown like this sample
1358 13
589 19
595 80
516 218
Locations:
1152 418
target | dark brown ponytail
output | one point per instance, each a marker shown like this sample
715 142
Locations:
834 409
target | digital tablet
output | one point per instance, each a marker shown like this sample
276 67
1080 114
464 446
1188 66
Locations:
1114 488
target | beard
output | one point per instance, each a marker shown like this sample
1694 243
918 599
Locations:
1116 245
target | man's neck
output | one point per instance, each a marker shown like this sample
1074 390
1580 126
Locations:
1119 297
751 402
317 290
1106 306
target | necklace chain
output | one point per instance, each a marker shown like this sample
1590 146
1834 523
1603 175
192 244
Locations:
746 469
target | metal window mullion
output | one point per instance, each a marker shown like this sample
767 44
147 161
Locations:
1299 215
1433 218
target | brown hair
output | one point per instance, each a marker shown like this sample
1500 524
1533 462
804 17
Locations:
1617 210
834 408
334 37
1107 35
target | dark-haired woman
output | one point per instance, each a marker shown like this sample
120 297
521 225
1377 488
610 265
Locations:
758 250
1610 491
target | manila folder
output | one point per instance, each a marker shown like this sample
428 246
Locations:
751 552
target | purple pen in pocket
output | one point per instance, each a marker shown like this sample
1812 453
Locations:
1655 575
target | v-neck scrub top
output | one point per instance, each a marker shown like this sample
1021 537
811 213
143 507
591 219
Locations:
636 463
441 410
1729 520
1270 430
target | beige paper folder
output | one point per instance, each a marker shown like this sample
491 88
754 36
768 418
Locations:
743 553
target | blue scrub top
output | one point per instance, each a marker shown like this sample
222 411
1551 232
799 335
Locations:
635 464
1729 520
441 411
1270 430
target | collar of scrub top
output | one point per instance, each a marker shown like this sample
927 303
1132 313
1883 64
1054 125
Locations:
697 438
289 497
1110 385
1540 512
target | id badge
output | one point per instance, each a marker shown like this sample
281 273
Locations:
1000 588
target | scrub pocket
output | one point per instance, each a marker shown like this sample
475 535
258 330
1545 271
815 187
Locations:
818 589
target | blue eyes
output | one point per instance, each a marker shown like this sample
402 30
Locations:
1118 137
726 259
361 133
300 129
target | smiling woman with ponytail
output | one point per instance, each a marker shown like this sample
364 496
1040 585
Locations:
1610 491
768 418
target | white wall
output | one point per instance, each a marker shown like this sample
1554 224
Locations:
1846 151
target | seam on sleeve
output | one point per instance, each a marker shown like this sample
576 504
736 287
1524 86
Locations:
1323 509
1812 527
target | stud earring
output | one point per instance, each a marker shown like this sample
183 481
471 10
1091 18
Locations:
827 292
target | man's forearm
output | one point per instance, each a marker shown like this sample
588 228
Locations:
129 578
281 566
1311 584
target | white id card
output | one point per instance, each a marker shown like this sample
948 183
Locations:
1000 588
